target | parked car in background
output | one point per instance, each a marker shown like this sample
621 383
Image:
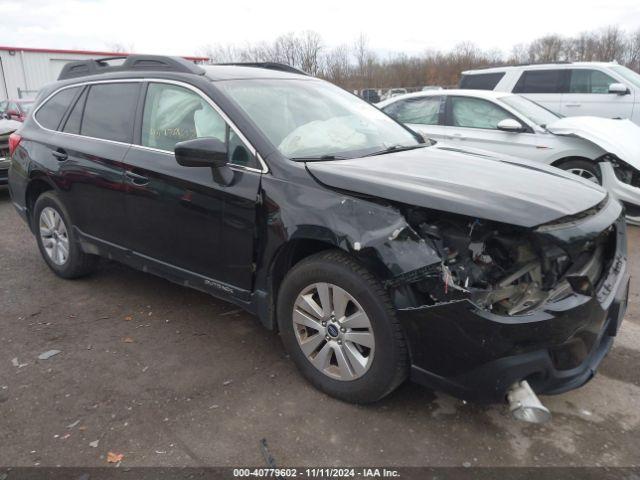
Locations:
375 255
428 88
571 89
601 150
7 127
393 92
15 109
370 95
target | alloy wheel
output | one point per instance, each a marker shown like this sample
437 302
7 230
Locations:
586 174
54 235
333 331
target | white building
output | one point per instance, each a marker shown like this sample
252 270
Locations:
23 71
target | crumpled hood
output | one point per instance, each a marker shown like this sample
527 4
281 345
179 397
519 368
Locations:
620 137
468 183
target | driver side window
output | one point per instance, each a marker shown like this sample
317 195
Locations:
174 114
476 113
421 111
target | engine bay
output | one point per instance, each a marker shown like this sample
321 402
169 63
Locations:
504 269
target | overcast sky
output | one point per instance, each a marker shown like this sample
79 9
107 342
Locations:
184 27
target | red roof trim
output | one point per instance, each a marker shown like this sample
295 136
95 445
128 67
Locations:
85 52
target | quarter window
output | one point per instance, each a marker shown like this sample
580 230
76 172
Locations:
421 111
476 113
72 124
589 81
540 81
51 113
110 111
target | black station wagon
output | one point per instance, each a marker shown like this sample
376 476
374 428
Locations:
376 255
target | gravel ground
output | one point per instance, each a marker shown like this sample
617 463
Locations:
168 376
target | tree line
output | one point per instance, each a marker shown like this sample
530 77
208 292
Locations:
357 66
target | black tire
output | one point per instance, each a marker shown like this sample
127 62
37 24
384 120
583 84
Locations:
78 263
389 366
585 165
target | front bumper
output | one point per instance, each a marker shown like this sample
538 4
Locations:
476 355
626 193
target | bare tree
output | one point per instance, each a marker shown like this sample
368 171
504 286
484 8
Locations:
118 47
550 48
310 48
358 66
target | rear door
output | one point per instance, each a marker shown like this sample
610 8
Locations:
544 86
588 94
424 115
94 136
179 217
473 122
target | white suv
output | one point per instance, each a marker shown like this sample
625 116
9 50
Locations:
599 89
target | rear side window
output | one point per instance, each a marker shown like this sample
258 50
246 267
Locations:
589 81
109 111
51 113
482 81
422 111
540 81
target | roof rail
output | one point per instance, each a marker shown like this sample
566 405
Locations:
96 66
282 67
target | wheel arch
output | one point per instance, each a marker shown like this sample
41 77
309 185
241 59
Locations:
297 249
558 163
38 184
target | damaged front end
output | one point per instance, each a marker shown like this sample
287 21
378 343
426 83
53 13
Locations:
500 268
507 304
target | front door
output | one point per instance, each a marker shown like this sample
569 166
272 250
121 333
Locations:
588 94
181 217
473 122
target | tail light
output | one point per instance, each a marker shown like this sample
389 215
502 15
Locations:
14 141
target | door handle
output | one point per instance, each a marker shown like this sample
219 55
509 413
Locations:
572 104
136 179
60 155
457 136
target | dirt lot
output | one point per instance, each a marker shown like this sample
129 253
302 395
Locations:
169 376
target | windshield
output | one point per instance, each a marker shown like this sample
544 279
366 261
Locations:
629 75
531 110
313 119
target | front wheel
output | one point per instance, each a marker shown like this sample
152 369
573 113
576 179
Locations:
584 169
338 325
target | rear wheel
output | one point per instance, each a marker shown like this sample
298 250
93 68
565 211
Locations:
337 323
56 240
584 169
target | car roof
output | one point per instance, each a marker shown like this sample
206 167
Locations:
241 72
538 66
486 94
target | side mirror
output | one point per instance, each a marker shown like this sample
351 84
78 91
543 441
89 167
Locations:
201 152
510 125
206 152
619 89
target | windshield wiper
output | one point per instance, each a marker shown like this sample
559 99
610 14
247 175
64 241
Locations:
396 148
319 158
